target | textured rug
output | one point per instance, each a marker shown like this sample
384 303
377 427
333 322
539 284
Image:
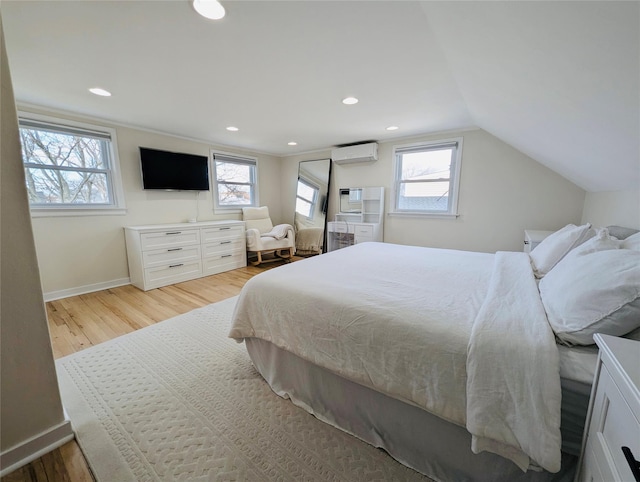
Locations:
181 401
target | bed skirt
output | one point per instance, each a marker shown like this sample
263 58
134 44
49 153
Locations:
414 437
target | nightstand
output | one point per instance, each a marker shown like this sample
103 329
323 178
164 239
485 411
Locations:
533 238
611 441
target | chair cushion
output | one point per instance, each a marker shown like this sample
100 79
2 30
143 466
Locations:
257 218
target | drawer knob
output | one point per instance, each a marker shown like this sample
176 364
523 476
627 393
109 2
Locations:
175 249
225 242
175 265
223 229
173 232
634 465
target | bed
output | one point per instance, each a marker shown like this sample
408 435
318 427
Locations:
404 347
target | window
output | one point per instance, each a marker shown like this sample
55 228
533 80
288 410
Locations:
427 177
69 166
306 198
235 182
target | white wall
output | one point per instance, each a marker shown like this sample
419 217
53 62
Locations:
502 193
89 251
30 407
621 208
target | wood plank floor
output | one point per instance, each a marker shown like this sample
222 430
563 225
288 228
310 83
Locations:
79 322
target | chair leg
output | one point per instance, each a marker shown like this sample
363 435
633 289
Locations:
259 260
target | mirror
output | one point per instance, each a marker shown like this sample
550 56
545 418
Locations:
312 200
351 200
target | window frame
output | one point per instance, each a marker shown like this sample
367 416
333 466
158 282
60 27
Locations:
314 201
454 177
112 171
239 159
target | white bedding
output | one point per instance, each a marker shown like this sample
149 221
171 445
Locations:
398 319
578 363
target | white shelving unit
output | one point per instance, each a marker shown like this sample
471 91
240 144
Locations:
351 228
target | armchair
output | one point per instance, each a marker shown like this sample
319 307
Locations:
264 237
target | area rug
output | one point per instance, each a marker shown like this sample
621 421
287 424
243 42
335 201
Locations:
179 400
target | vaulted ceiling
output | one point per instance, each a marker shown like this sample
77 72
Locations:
560 81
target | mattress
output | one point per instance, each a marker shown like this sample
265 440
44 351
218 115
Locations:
578 363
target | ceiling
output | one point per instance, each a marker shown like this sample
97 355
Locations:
560 81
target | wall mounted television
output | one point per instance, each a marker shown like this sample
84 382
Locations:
173 171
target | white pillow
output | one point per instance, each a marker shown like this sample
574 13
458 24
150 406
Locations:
555 246
632 242
601 241
593 292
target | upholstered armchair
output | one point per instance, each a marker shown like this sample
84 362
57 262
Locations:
263 237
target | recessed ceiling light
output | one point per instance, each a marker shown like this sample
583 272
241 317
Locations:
211 9
292 143
99 91
232 129
349 100
392 128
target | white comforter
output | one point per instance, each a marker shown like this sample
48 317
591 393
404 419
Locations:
400 320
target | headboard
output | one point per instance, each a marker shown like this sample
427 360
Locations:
621 232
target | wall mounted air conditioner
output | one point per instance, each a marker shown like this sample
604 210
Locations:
357 153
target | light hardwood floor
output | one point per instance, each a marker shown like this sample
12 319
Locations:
79 322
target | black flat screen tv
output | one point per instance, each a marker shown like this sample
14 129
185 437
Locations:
173 171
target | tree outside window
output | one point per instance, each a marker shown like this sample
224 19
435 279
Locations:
235 182
68 165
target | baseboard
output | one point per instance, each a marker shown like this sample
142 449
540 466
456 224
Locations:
35 447
81 290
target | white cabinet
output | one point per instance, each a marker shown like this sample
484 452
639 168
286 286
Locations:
358 227
165 254
533 238
613 421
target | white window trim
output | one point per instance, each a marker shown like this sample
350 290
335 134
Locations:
316 196
55 210
217 209
452 213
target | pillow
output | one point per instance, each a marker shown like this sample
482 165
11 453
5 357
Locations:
601 241
633 335
555 246
257 218
593 292
632 242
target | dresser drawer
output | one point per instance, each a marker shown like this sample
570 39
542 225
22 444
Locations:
165 275
170 239
612 427
222 232
224 262
339 228
366 231
170 256
226 246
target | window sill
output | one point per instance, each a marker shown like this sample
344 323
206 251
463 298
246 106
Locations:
37 212
233 210
401 214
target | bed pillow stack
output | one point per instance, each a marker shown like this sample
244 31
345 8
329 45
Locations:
594 289
556 246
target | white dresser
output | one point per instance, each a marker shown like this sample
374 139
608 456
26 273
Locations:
613 421
165 254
